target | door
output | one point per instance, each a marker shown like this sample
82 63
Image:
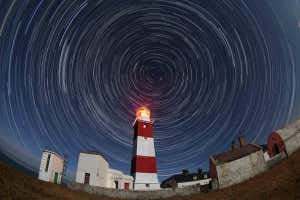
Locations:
55 177
116 184
87 178
126 186
276 149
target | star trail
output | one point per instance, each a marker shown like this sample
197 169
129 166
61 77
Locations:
72 74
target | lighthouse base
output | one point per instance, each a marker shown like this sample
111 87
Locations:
146 186
146 181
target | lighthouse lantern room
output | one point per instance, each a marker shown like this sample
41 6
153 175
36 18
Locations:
143 166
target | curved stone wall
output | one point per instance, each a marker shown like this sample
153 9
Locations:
131 194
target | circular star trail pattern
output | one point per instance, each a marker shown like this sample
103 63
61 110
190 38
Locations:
73 73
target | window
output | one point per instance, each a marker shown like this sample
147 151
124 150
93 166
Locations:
144 126
47 163
147 185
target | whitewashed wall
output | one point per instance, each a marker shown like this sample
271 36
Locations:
141 186
141 179
191 183
266 156
291 137
94 164
240 170
56 164
115 175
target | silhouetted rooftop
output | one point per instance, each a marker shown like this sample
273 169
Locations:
237 153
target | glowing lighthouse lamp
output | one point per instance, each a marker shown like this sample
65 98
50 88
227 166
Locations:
143 113
143 167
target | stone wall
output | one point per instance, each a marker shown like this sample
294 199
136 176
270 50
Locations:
130 194
276 159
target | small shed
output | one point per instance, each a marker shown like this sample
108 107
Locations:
237 165
52 167
285 140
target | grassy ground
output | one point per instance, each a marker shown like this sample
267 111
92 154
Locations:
281 182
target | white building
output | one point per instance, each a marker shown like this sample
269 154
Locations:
93 169
51 167
237 165
192 183
186 179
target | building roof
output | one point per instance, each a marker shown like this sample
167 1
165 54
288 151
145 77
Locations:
115 171
294 125
94 153
52 152
289 130
236 154
181 178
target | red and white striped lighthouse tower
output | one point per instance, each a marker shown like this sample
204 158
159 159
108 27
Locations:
143 167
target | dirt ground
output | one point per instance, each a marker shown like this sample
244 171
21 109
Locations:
281 182
15 185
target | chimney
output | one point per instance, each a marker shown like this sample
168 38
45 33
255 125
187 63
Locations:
199 171
242 140
185 172
234 146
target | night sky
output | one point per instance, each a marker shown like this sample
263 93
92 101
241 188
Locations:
72 74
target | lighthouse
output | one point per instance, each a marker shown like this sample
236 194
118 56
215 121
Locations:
143 167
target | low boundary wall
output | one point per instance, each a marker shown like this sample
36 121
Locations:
131 194
276 159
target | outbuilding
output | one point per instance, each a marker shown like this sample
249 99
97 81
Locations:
186 179
93 169
284 141
237 165
52 167
116 179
